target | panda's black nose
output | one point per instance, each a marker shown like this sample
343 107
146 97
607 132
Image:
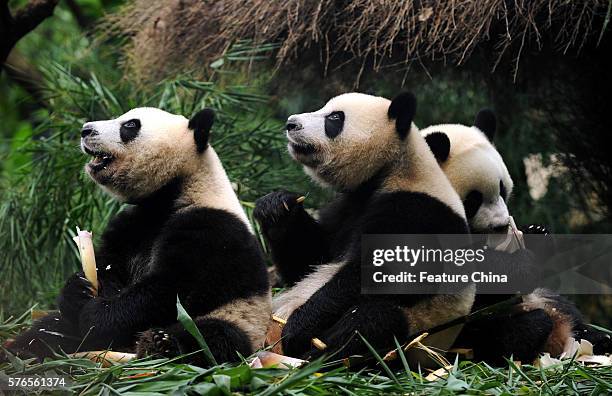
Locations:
293 124
87 131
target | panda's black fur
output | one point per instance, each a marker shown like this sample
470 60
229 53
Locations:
152 251
323 254
545 320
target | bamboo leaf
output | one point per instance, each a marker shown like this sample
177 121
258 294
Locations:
189 325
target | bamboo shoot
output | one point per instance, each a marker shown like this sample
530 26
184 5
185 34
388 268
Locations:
88 258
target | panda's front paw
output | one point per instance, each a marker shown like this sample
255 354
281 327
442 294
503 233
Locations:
76 293
296 338
276 209
157 342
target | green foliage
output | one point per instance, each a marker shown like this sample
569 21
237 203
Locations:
165 376
189 325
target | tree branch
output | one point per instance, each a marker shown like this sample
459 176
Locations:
13 28
6 20
31 15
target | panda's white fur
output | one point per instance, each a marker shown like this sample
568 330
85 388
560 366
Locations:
162 150
474 164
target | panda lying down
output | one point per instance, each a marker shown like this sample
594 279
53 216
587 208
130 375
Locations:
184 233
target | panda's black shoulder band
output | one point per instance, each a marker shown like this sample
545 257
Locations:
402 110
201 123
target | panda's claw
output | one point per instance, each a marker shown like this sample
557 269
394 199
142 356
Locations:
273 208
535 229
156 342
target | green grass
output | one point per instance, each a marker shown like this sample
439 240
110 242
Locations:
163 376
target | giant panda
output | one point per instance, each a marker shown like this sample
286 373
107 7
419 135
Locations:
182 233
387 181
544 321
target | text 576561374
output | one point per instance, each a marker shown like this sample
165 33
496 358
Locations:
33 382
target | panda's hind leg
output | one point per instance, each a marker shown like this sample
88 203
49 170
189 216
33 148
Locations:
521 336
225 340
47 335
378 321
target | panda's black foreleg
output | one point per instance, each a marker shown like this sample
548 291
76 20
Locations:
226 342
60 331
521 336
52 333
376 320
114 322
321 310
296 240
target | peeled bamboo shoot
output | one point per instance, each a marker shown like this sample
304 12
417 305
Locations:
88 258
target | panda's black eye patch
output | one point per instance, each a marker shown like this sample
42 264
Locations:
471 203
502 190
333 124
129 130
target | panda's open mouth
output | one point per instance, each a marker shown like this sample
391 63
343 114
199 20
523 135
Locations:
100 160
298 147
303 148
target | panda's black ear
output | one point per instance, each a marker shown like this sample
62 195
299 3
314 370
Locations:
439 144
201 123
486 122
402 110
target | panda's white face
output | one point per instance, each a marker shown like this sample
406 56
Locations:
479 175
138 152
345 142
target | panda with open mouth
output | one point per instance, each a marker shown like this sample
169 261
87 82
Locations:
184 233
387 181
544 321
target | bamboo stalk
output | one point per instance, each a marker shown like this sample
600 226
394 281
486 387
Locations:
106 358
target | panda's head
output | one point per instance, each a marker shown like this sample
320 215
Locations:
139 152
475 169
351 138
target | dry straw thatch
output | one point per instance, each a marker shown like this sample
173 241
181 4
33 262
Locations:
189 34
